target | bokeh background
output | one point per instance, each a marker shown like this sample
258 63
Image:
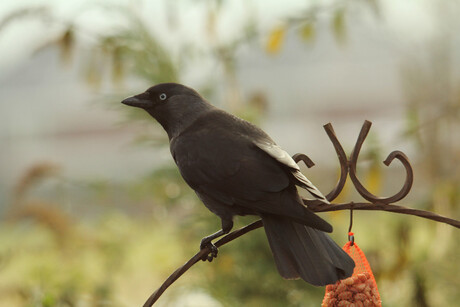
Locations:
93 211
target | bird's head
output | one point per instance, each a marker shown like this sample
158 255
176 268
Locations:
160 95
173 105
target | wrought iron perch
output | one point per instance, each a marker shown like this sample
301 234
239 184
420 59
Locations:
347 168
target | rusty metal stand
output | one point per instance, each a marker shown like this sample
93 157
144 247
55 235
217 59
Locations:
347 167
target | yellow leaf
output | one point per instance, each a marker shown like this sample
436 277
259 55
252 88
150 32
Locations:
275 39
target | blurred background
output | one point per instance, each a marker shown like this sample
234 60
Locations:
92 209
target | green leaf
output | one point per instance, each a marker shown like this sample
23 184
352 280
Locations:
307 32
339 26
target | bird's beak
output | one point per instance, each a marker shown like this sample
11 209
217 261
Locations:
136 101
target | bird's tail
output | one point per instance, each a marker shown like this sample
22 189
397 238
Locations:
301 251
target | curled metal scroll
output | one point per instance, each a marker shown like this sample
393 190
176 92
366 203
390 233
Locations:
348 166
395 154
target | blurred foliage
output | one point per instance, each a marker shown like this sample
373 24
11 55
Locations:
99 243
338 26
307 22
41 12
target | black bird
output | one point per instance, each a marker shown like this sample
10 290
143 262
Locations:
235 168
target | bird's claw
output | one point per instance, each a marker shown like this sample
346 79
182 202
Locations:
212 254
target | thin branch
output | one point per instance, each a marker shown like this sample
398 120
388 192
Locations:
198 256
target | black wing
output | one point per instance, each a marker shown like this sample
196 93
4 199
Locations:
216 163
219 158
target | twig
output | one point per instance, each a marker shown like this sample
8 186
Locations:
198 256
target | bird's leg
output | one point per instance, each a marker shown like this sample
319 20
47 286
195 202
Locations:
227 225
206 241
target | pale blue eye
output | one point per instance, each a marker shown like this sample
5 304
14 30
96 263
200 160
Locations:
163 96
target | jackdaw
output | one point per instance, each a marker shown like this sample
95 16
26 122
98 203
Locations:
235 168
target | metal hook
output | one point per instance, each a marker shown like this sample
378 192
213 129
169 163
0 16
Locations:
351 236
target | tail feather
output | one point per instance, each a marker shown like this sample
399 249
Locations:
301 251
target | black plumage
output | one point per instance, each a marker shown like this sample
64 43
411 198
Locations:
235 168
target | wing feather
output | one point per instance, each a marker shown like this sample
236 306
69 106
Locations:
283 157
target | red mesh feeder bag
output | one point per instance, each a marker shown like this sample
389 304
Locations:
358 290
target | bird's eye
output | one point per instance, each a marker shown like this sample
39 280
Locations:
163 96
